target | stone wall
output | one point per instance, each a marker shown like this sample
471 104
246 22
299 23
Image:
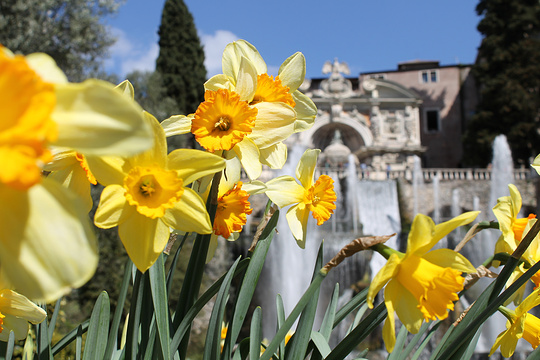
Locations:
467 190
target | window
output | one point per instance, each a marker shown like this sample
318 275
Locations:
432 121
427 76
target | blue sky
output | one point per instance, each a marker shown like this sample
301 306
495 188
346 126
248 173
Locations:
368 35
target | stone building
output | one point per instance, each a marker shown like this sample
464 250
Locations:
385 118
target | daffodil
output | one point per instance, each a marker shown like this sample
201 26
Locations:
248 113
233 205
16 311
520 324
47 245
512 228
310 196
421 284
145 195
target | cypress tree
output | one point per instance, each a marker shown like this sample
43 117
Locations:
181 57
508 72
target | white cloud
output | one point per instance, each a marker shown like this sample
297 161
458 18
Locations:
144 62
213 49
127 56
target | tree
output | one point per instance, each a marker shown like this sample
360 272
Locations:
69 31
508 72
181 57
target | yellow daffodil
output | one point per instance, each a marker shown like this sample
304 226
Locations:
248 113
233 206
47 245
506 211
145 195
16 311
317 197
536 164
421 284
512 228
520 324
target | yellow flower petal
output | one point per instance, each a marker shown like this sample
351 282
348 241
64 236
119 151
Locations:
306 111
74 178
422 230
97 119
248 153
113 207
297 218
18 325
189 214
194 164
246 83
135 233
443 229
220 81
126 88
46 68
405 306
274 156
177 125
293 71
45 256
271 90
108 169
15 304
232 56
284 191
387 272
157 154
450 258
274 123
306 167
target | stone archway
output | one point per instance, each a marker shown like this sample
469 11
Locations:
323 136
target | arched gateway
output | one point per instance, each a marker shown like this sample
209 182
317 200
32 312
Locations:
379 120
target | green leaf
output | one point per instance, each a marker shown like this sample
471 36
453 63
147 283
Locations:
242 350
28 350
117 317
320 343
161 308
328 320
251 278
302 303
132 337
78 343
98 330
69 337
255 334
296 349
52 323
199 304
350 306
400 342
371 321
43 342
280 312
213 335
10 345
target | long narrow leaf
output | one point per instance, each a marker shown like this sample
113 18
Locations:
251 278
98 330
400 343
117 317
201 302
161 307
350 306
132 336
328 321
304 300
10 345
280 312
52 323
255 334
296 349
69 337
363 329
213 335
320 343
43 341
78 344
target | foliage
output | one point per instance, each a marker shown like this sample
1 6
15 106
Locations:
71 32
181 57
508 72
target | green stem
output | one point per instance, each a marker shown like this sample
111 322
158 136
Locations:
386 251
